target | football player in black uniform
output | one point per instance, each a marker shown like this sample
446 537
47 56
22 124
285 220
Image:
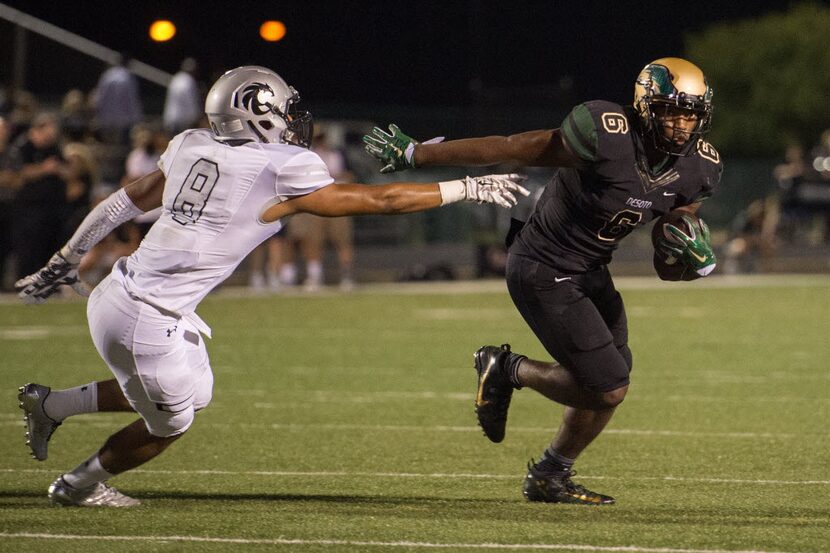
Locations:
620 167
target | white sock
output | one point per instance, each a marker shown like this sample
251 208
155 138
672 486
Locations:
315 272
288 274
87 473
60 404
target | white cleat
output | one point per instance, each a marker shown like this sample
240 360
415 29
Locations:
39 425
97 495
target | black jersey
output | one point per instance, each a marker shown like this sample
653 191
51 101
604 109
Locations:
584 213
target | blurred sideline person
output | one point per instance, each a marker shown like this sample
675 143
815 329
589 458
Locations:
9 183
266 263
223 192
117 102
752 241
148 145
310 233
40 202
182 104
620 167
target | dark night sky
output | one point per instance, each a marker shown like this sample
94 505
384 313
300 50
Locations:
417 52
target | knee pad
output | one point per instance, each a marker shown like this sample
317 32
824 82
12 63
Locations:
625 351
204 391
165 424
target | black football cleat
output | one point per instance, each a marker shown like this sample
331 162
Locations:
494 390
560 489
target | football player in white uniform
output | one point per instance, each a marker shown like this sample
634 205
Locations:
223 192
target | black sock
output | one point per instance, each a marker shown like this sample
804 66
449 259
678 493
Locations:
554 463
511 366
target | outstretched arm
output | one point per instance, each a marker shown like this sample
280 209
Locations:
541 148
118 208
338 200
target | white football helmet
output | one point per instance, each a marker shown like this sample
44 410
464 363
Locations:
254 103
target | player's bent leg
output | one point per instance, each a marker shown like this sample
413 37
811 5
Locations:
134 445
549 480
111 397
130 447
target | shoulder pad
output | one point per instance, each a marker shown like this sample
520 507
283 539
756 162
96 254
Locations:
590 128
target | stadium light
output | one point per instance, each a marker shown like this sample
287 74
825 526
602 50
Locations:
162 30
272 31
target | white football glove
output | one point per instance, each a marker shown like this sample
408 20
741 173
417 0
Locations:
489 189
39 286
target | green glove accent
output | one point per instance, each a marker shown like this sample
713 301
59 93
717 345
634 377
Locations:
394 149
694 251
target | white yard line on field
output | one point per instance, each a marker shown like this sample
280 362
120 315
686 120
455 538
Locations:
370 543
14 420
440 476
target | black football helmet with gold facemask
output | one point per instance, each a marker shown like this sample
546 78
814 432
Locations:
672 87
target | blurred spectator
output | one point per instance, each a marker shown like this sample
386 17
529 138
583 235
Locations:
805 193
80 175
9 183
789 176
753 237
117 102
40 203
24 108
183 106
311 232
268 276
148 145
75 116
820 157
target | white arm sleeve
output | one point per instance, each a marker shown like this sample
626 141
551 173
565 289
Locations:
117 209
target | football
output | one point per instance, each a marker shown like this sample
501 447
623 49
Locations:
667 266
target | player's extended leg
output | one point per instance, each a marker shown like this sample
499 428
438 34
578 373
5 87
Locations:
593 377
128 448
163 371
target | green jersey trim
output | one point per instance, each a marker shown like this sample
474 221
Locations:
580 133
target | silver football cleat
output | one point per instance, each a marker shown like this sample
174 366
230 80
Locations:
39 425
97 495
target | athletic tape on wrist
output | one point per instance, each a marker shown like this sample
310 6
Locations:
452 191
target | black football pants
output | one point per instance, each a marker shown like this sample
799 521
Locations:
579 319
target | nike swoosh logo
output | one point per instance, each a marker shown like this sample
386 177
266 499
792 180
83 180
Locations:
558 279
701 258
670 193
481 402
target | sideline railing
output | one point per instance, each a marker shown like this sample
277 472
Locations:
81 44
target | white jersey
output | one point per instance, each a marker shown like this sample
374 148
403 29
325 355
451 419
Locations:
214 195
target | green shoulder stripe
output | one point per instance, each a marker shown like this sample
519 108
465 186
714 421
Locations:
579 132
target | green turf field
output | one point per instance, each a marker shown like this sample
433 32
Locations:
345 423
